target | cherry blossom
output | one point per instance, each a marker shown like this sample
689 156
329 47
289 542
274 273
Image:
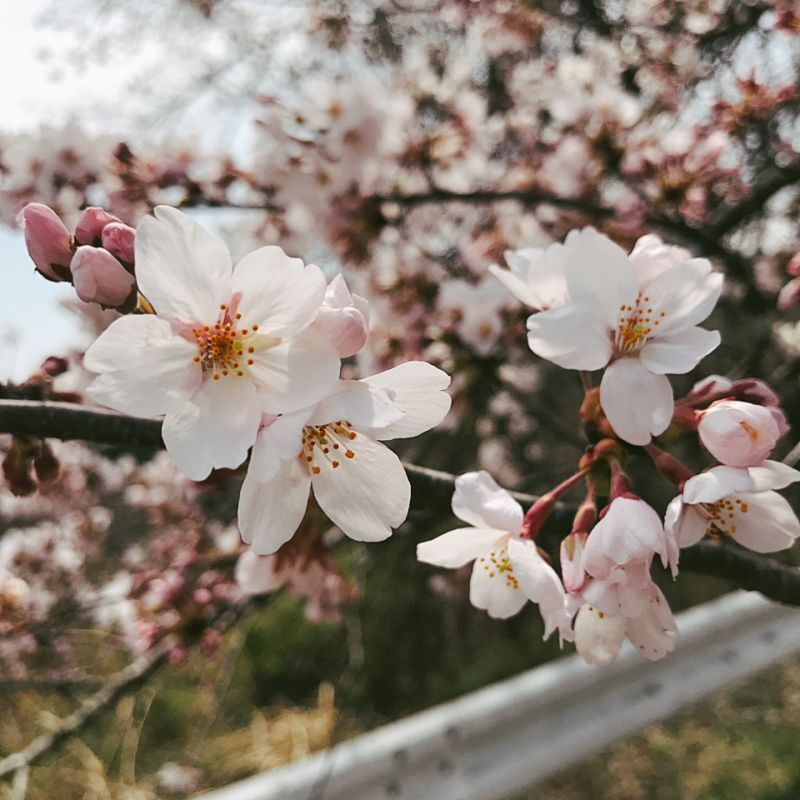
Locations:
618 554
225 344
508 570
335 448
740 504
635 316
738 434
599 636
537 277
343 318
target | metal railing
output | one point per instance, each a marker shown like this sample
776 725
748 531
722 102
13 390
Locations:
507 737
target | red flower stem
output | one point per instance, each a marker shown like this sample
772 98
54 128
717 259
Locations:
541 509
668 466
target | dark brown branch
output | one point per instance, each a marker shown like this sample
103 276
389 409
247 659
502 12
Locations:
67 421
115 687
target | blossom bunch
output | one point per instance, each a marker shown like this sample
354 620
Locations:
635 316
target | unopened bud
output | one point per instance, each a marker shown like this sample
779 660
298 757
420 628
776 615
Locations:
48 241
54 366
91 224
793 267
119 240
738 434
790 295
100 278
572 572
343 318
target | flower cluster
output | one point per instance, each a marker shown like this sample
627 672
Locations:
635 317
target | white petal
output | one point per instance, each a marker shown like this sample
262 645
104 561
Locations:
772 475
716 483
650 257
495 590
256 574
524 293
418 389
689 525
362 405
598 637
214 429
183 270
295 374
278 293
686 294
573 336
638 403
460 546
654 632
148 370
768 525
270 512
680 352
367 495
598 272
279 441
481 502
540 584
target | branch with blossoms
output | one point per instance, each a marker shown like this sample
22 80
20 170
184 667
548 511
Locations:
242 364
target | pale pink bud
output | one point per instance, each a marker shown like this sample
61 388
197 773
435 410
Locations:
99 278
738 434
91 224
572 572
119 240
790 295
793 267
343 318
48 241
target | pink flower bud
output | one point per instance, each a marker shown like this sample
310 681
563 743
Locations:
738 434
793 267
790 295
343 318
48 241
100 278
119 239
91 224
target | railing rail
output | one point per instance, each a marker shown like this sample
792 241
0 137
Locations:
505 738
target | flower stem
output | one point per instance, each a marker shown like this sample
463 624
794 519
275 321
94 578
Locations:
668 465
541 509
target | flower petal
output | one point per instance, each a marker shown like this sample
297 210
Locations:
599 273
280 440
366 495
270 512
772 475
495 591
573 336
257 574
147 369
540 584
214 429
362 405
680 352
715 483
460 546
638 403
685 523
278 293
763 522
686 294
598 637
296 373
183 270
481 502
654 632
418 390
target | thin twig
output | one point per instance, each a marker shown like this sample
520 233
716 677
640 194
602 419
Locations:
122 682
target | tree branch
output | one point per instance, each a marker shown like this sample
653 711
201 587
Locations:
69 421
121 682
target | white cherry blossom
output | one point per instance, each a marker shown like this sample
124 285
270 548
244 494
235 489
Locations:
335 448
618 554
741 504
535 276
636 317
508 570
224 345
599 636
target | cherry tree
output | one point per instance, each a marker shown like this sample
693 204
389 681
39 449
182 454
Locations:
557 242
